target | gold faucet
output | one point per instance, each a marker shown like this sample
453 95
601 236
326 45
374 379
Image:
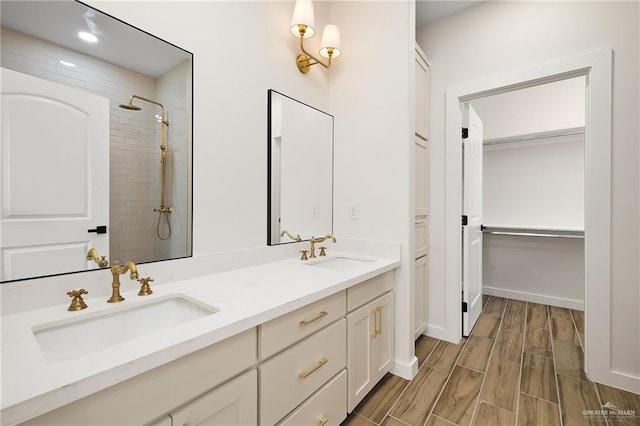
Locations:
116 270
296 238
100 260
314 240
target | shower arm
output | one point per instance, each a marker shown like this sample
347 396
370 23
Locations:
132 97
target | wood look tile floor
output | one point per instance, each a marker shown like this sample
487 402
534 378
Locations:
522 365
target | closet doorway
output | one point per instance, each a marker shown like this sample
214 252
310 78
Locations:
596 68
523 196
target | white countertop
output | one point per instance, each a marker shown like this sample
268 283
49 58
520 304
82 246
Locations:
247 297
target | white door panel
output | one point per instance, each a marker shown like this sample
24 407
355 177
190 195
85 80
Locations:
55 177
472 209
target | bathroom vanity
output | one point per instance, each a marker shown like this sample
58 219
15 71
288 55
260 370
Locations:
286 342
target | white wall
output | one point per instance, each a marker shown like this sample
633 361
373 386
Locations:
534 269
537 183
494 38
372 100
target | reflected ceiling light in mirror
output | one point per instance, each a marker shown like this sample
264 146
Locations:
88 37
303 26
67 64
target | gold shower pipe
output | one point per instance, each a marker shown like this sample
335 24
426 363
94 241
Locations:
163 159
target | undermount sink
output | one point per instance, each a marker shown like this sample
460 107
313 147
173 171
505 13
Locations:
71 338
340 263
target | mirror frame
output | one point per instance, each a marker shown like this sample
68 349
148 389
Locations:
189 204
270 159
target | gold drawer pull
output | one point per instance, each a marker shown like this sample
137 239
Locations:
305 374
304 323
323 421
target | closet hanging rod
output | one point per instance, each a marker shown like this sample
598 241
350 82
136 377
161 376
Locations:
534 234
533 136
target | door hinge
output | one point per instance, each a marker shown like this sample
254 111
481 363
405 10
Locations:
465 220
465 133
464 306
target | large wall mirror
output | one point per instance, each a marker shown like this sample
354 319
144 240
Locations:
300 180
96 141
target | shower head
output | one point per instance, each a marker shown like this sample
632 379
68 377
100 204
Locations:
130 106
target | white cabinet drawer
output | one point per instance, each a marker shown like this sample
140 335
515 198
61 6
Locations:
368 290
328 407
284 331
234 403
293 375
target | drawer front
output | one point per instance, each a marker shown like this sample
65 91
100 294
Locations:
366 291
234 403
284 331
327 407
293 375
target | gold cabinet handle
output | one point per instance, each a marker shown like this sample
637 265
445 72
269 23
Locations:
320 315
305 374
377 321
323 421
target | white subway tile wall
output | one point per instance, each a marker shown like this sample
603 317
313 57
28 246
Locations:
134 140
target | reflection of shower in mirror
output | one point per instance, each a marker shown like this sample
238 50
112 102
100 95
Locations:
162 210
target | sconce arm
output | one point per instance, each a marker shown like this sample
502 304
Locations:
317 61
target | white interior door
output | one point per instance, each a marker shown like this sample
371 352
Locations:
54 177
472 210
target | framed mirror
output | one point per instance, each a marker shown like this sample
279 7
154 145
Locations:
300 179
96 147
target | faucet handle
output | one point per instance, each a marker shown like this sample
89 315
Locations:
145 288
304 255
323 251
77 303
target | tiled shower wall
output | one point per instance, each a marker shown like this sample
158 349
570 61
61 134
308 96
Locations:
172 88
134 139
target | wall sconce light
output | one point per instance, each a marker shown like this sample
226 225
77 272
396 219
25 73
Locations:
303 26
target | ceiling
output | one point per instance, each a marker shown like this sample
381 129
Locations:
60 21
428 11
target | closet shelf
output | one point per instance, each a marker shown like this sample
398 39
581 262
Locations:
534 136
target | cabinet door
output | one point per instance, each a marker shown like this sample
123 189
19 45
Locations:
420 299
422 97
232 404
370 339
383 341
421 159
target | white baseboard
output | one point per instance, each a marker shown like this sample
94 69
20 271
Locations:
534 298
404 370
419 331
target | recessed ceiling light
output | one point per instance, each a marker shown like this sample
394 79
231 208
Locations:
87 37
67 64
